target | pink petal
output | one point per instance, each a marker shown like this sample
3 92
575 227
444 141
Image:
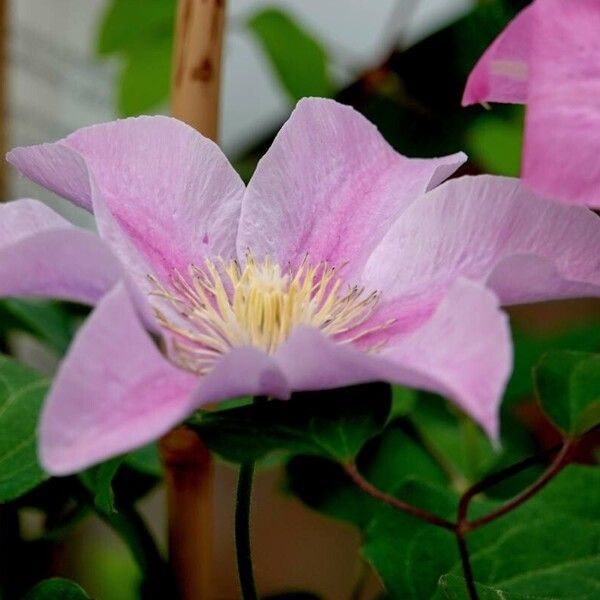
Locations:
56 167
330 185
113 392
463 352
42 254
242 372
471 227
171 191
562 143
501 74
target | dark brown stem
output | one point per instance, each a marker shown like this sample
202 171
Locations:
376 493
496 478
466 564
561 460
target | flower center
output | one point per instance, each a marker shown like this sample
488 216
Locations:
221 306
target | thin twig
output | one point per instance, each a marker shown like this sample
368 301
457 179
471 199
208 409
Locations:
496 478
415 511
561 460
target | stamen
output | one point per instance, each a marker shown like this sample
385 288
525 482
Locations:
220 306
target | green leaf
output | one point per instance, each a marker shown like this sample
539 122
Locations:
549 548
57 589
568 388
298 59
333 423
51 322
451 435
403 401
22 392
145 78
146 460
98 481
129 22
529 348
141 31
495 143
454 588
387 461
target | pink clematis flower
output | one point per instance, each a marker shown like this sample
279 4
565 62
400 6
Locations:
549 58
341 262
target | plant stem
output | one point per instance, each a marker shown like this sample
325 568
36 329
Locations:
242 532
466 565
561 460
415 511
500 476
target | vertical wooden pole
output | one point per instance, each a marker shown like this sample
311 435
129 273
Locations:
189 470
197 64
189 475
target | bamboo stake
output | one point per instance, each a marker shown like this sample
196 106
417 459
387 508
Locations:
189 475
189 470
197 64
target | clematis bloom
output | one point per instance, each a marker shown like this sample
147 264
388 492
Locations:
341 262
548 57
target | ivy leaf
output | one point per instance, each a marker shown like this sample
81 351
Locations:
568 388
298 59
333 423
22 392
98 481
55 589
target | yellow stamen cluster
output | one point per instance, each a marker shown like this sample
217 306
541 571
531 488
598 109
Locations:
221 305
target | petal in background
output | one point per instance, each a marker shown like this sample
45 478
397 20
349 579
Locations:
113 392
502 72
42 254
330 185
171 190
471 226
562 140
462 352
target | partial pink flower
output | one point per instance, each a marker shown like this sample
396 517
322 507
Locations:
548 57
341 262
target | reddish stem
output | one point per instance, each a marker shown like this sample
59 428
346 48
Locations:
558 464
376 493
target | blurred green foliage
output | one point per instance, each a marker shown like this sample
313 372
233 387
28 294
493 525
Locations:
297 58
140 33
568 387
